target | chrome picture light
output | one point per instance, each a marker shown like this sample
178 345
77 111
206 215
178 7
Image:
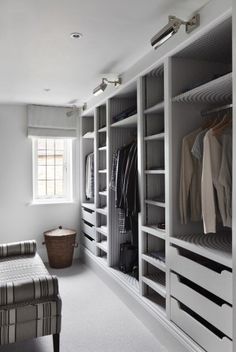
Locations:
105 82
172 27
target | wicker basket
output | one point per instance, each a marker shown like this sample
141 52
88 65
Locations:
60 244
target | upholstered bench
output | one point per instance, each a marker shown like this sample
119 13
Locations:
30 305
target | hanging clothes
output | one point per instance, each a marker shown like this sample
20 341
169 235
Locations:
225 175
124 181
89 176
206 176
216 181
190 181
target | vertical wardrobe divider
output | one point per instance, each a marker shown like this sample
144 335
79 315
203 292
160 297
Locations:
152 171
87 144
101 182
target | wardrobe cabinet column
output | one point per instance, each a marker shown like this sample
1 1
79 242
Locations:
168 148
234 179
108 164
141 175
96 179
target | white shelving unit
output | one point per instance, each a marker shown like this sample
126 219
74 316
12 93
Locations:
181 270
102 182
128 122
152 179
214 92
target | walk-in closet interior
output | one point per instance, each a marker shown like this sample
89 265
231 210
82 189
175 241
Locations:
156 161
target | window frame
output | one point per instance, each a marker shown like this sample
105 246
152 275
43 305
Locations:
67 170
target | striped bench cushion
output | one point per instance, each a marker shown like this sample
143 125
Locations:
30 321
12 292
17 248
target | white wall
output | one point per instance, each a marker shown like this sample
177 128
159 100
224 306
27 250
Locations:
18 219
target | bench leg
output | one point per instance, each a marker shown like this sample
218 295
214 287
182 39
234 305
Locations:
56 342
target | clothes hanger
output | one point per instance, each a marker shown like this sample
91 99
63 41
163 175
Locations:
219 129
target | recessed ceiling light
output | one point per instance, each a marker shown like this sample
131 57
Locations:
47 89
76 35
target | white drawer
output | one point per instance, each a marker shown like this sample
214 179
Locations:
218 315
88 230
90 244
198 332
219 284
88 216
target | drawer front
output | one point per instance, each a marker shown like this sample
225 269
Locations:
219 284
90 244
88 216
198 332
88 230
219 316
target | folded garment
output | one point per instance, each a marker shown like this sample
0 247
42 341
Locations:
126 113
17 248
159 255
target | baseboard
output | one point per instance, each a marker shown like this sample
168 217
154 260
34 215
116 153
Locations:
167 334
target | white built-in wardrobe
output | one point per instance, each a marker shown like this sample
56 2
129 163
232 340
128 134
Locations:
191 292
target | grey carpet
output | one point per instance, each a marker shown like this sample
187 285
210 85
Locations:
94 319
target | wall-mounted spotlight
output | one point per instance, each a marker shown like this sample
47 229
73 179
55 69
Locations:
100 89
172 27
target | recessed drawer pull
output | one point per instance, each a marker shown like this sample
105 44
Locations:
88 216
219 315
220 284
88 230
206 338
89 243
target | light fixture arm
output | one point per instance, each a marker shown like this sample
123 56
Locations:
189 25
115 82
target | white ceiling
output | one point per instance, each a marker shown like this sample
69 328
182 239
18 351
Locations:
37 51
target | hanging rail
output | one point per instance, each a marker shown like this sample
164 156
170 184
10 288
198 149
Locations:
221 108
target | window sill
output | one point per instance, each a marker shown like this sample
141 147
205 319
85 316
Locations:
51 202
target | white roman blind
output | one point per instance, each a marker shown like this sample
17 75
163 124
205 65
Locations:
50 121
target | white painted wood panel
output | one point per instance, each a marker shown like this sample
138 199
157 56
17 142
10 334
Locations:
220 284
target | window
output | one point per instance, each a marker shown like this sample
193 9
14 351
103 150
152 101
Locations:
52 170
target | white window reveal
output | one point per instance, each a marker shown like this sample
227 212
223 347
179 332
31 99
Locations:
52 170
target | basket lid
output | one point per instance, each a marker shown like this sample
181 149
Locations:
59 232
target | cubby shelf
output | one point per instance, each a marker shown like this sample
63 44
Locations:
155 137
128 122
102 211
103 129
104 193
156 282
102 148
216 91
102 230
103 245
155 172
104 171
155 302
153 202
154 261
154 231
217 247
159 107
89 135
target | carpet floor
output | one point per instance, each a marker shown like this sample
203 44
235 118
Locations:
94 319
